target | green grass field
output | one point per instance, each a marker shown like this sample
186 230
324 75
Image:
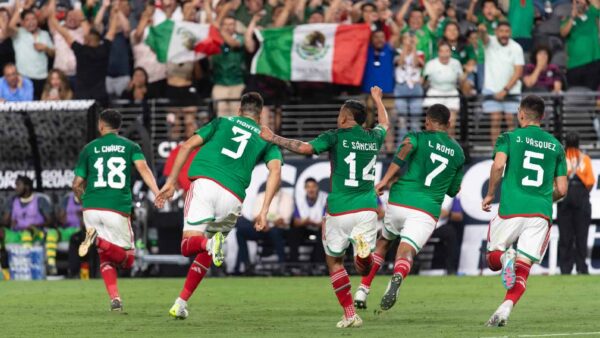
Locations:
301 307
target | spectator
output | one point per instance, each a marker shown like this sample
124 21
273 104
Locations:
475 47
521 14
447 233
280 213
575 211
92 58
13 86
137 89
69 217
32 47
583 48
64 59
245 10
444 74
503 68
461 52
7 53
540 75
228 69
144 57
425 33
490 15
29 215
408 90
57 87
307 220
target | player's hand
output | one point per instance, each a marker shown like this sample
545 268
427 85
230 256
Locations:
165 194
266 134
376 93
486 204
379 188
261 221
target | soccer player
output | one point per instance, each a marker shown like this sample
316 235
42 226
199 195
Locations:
352 204
103 184
434 167
220 174
535 169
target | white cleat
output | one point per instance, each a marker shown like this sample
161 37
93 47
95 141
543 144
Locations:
179 310
508 274
360 298
500 317
90 239
353 321
363 250
215 248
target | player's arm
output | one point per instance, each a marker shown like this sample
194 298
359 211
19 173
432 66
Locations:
273 181
142 168
78 187
495 178
382 115
454 187
295 146
167 191
561 185
398 162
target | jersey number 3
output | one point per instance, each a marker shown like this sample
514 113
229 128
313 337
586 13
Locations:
116 175
242 140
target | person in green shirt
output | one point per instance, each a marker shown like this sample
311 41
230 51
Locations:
352 204
532 166
583 47
228 69
521 15
434 168
490 15
103 185
425 33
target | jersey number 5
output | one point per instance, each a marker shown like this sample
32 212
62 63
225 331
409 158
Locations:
116 176
368 173
438 170
242 140
539 178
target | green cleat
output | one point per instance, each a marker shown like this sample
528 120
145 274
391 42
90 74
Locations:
178 311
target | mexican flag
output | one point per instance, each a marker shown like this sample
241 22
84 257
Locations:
183 41
317 53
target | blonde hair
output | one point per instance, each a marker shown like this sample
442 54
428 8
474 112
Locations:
64 90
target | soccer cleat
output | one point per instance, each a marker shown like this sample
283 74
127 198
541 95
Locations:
391 293
90 239
500 317
178 311
360 298
363 250
116 305
353 321
216 248
508 269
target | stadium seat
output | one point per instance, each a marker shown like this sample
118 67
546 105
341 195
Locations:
560 59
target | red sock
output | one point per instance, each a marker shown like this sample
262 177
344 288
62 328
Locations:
341 287
368 279
493 260
113 253
109 274
197 271
402 266
522 272
363 265
194 245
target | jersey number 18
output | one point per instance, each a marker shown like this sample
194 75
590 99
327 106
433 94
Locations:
116 175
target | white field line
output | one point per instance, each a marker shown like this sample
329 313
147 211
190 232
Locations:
551 335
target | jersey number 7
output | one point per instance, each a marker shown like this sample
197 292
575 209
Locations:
438 170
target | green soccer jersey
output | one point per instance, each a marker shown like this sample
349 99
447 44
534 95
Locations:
231 149
535 158
353 155
435 168
105 164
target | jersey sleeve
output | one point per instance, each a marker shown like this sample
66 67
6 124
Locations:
208 130
561 165
454 187
380 133
136 153
272 153
81 169
323 142
502 144
402 156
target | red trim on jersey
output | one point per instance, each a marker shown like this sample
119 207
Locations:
413 208
219 183
526 215
131 232
105 209
490 228
188 198
352 212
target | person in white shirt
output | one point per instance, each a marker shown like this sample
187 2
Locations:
451 213
444 75
504 62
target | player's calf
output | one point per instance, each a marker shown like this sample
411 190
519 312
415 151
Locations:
494 261
360 298
193 245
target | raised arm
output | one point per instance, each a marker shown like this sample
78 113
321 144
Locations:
433 16
295 146
113 24
283 17
495 178
145 19
471 12
142 167
249 41
56 26
402 13
565 29
13 24
273 181
483 34
98 25
382 115
124 23
207 7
